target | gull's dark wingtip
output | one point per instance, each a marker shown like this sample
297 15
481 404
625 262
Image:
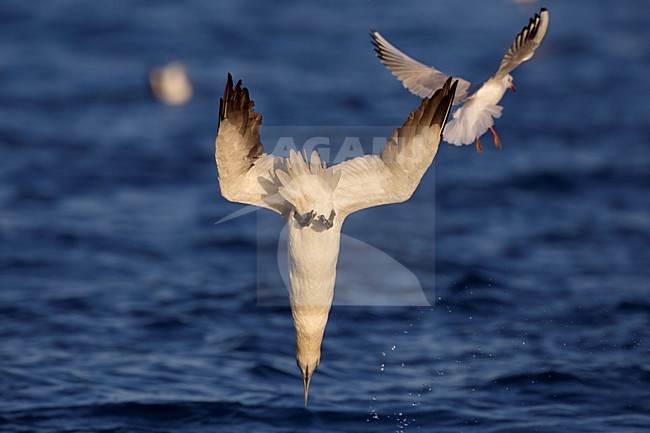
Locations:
377 47
373 36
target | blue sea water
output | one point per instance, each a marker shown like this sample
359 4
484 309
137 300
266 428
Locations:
124 308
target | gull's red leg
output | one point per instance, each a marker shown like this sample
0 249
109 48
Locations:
497 140
479 148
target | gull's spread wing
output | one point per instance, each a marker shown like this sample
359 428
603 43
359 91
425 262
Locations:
246 173
525 44
418 78
393 176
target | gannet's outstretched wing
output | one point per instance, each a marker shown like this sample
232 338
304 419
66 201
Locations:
246 173
418 78
525 44
374 180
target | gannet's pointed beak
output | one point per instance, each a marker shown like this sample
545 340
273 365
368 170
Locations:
306 379
512 87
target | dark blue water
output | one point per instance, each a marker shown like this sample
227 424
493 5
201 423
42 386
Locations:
124 308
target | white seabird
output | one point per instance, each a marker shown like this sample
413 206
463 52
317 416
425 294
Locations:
315 199
170 84
479 109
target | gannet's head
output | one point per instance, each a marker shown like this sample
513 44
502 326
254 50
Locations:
508 81
307 364
310 322
309 188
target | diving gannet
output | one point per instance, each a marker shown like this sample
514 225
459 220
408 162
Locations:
315 199
478 110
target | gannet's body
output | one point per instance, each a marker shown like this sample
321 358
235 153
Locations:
312 273
315 200
479 109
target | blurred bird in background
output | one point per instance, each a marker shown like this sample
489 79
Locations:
170 84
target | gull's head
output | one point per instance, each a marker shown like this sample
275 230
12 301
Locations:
309 188
508 81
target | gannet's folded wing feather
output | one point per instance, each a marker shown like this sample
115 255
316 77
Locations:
418 78
246 173
374 180
525 44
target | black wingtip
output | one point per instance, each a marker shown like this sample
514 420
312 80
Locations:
221 111
373 36
377 48
445 97
452 90
543 10
227 91
451 95
235 99
228 88
227 98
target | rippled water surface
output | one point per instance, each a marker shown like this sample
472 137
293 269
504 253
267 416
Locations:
124 308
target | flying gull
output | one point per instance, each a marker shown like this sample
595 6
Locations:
315 200
479 109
